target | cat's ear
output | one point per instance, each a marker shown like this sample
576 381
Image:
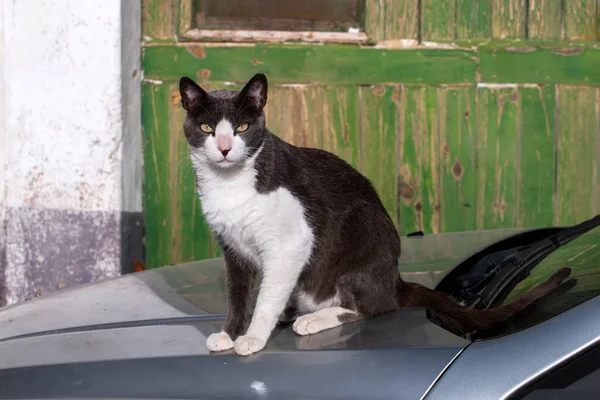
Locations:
256 91
190 92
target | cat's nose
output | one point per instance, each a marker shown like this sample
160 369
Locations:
224 152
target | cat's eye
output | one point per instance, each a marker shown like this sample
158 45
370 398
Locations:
241 127
206 128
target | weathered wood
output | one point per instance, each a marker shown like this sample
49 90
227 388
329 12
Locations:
458 158
379 142
351 65
294 113
443 158
157 175
331 64
157 19
401 19
508 19
304 117
341 127
275 109
576 65
392 20
374 21
250 36
473 19
438 20
418 189
581 20
535 188
498 111
576 171
544 22
184 17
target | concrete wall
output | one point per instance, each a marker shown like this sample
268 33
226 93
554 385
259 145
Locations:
70 143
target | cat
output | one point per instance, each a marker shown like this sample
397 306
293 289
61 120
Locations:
310 223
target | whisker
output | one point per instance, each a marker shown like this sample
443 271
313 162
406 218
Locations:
241 104
187 171
240 111
208 112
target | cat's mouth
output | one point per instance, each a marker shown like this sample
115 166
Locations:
225 162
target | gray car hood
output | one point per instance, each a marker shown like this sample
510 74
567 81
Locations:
143 335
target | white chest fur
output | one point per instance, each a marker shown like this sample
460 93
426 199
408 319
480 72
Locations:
261 227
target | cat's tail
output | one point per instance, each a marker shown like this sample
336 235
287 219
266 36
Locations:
460 319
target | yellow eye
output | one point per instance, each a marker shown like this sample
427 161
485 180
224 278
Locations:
206 128
241 127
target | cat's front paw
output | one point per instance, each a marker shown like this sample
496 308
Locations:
246 345
308 324
219 342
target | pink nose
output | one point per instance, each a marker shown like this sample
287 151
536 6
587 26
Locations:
224 145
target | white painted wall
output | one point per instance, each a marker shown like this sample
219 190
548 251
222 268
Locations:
62 79
68 143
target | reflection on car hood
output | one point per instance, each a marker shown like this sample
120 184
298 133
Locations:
138 336
198 289
102 335
190 299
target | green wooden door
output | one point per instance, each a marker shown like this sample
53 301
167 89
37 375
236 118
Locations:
465 114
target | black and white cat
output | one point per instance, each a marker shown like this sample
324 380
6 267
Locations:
312 225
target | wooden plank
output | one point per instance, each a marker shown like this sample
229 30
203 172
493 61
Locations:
438 20
378 142
341 127
304 117
574 65
278 36
157 196
544 20
473 19
275 109
157 19
537 147
331 64
374 21
349 65
184 17
401 20
497 114
295 114
418 169
458 158
576 171
581 20
508 19
392 20
411 119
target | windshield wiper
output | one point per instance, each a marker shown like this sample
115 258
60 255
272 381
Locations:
496 286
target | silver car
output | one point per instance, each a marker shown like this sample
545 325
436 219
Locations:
143 335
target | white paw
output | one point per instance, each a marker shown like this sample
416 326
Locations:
308 324
219 342
246 345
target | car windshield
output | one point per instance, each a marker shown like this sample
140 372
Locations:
583 256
